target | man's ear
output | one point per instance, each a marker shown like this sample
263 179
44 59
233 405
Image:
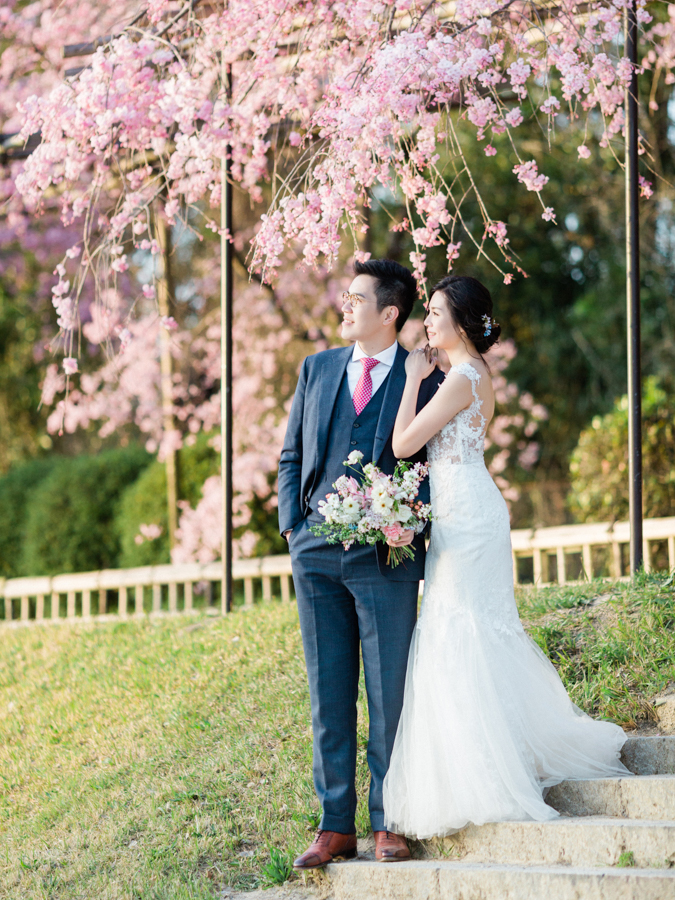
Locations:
390 316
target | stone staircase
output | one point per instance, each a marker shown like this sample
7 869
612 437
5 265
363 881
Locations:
615 840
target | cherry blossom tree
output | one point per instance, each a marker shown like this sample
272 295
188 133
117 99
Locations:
325 100
318 103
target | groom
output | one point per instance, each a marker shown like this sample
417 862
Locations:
347 399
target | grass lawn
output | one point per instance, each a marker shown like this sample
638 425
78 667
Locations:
166 759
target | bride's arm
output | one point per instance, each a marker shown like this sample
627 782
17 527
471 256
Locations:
412 431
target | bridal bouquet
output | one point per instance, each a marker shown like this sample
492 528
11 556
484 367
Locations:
375 509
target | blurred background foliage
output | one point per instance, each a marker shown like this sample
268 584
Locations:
599 464
567 319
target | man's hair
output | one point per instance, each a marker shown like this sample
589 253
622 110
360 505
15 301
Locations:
396 286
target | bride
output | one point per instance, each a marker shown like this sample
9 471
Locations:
486 723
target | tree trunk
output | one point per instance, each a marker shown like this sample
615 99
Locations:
164 297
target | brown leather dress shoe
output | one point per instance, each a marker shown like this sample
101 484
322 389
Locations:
390 847
326 846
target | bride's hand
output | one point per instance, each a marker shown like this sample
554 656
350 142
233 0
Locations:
405 539
420 364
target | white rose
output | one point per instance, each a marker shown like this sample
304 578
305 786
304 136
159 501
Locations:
404 513
354 457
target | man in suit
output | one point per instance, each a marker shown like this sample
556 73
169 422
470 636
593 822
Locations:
347 399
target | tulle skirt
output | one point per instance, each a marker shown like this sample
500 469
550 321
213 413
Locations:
486 723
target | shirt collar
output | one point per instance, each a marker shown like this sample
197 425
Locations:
386 357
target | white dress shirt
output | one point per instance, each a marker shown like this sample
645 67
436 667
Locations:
377 373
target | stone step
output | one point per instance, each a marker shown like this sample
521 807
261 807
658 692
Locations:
649 755
587 841
637 797
442 880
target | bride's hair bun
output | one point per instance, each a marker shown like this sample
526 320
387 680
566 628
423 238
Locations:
470 305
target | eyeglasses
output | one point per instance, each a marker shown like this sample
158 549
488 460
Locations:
353 299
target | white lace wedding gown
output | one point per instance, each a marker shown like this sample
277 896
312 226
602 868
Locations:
486 722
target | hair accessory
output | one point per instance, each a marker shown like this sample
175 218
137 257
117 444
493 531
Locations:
487 321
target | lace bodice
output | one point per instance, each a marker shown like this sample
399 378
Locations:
462 440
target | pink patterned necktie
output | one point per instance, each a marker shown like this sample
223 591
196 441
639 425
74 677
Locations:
364 387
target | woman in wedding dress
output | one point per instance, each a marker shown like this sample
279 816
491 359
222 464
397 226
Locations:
486 723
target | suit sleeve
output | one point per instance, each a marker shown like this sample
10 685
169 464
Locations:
429 387
290 462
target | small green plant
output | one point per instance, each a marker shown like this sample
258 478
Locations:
279 869
626 860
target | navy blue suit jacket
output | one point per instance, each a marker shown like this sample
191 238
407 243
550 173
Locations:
303 453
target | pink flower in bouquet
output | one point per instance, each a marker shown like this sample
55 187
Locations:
393 532
352 486
347 486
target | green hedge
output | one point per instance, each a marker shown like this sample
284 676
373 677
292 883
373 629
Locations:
599 464
69 523
15 489
84 513
144 502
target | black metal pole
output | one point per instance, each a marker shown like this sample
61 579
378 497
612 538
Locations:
633 297
226 300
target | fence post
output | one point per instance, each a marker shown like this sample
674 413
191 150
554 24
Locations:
587 560
173 596
560 559
122 602
646 555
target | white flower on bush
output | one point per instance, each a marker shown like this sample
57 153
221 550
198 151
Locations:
148 533
354 458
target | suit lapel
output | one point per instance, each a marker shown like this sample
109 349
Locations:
332 373
390 402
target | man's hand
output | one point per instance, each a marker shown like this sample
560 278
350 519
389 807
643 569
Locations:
288 533
405 539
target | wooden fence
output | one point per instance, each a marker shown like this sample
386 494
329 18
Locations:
541 556
577 552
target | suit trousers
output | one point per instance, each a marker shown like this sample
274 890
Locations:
344 601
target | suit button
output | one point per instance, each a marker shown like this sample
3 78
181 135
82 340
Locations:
356 425
353 443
